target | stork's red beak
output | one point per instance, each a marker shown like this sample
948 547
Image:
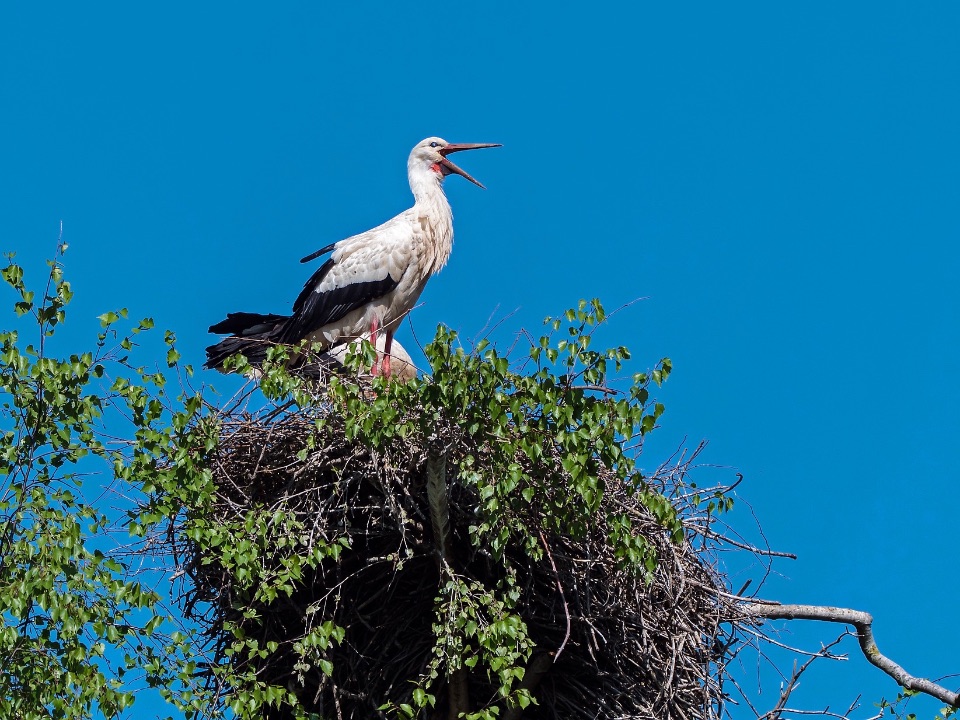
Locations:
450 167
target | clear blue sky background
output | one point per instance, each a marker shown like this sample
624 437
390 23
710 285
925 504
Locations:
779 180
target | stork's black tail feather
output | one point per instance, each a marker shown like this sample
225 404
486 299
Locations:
244 324
252 335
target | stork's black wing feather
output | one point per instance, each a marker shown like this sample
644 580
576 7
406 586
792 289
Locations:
318 253
313 310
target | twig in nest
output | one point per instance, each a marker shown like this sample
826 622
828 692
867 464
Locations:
563 598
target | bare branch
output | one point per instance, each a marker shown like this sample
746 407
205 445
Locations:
458 680
863 622
563 598
743 546
794 681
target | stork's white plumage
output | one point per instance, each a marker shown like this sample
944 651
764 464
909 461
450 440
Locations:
371 280
401 364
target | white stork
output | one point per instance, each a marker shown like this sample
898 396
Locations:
371 280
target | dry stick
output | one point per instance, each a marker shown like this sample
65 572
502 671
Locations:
713 535
563 598
863 622
794 681
459 689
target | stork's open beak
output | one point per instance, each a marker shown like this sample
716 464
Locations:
457 147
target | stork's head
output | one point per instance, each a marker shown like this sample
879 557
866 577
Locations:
430 155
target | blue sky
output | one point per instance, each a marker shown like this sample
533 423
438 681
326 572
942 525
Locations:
779 181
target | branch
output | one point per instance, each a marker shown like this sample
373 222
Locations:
563 598
863 622
439 503
537 668
459 691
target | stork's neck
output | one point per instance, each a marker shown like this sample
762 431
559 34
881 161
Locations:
426 185
433 211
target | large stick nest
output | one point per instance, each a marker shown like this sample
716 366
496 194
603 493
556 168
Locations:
635 649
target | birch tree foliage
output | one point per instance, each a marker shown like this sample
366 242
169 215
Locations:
80 631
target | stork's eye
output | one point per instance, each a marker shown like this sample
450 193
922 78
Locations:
434 144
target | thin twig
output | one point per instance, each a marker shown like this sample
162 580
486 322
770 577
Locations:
563 598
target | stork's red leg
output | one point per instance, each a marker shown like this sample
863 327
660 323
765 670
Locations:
373 339
386 353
